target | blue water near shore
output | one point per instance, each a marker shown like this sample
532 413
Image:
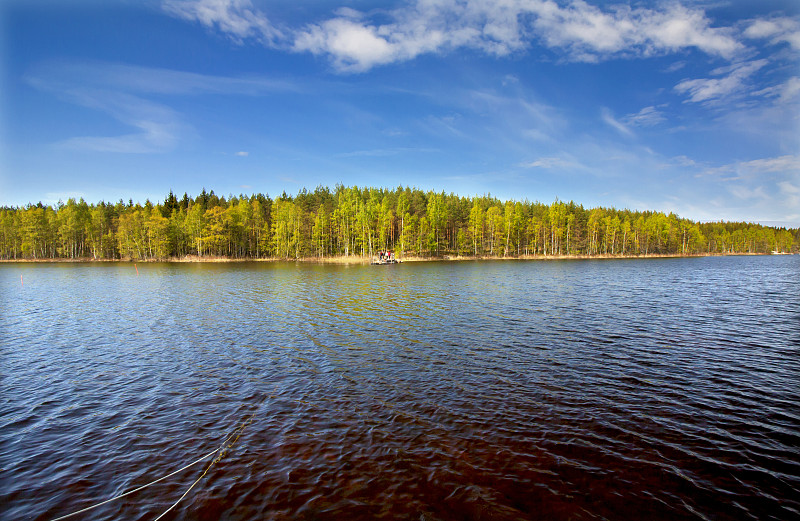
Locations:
617 389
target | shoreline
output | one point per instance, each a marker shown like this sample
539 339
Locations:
358 260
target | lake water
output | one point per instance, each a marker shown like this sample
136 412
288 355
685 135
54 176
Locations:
619 389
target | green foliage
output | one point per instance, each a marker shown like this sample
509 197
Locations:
361 221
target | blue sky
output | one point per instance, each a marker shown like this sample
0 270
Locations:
691 107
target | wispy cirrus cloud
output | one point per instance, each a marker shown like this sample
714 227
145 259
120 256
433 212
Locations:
790 191
385 152
609 119
157 128
237 19
54 75
767 188
516 106
124 92
553 163
731 81
784 92
355 42
683 161
787 166
747 193
647 117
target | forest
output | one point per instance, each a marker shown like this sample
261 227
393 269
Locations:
354 221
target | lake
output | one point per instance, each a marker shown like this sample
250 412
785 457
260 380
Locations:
617 389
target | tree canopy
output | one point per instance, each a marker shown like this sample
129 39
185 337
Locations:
359 221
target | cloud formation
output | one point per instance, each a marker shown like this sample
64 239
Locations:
590 33
787 165
732 81
56 75
647 117
785 92
351 45
791 192
122 92
157 127
552 163
777 30
385 152
354 42
236 18
609 119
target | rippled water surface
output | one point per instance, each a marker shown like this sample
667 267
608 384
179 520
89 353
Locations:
624 389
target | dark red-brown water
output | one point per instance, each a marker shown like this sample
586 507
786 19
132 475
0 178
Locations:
635 389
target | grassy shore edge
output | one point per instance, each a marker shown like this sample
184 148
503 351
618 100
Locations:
355 259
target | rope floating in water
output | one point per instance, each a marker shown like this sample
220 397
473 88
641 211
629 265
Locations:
220 452
138 488
217 459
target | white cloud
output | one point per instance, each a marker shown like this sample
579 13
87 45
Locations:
785 166
512 114
385 152
777 30
353 46
743 192
120 91
784 92
679 27
157 125
790 89
791 195
589 32
584 32
236 18
610 120
355 43
348 12
147 80
242 153
675 66
757 190
716 89
647 117
684 161
788 188
394 132
551 163
536 134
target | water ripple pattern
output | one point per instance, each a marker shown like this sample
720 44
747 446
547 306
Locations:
614 389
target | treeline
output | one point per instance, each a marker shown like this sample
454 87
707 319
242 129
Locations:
362 221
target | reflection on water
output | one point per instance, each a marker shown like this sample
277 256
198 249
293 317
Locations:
494 390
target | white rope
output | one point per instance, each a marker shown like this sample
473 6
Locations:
139 488
187 491
224 449
227 444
